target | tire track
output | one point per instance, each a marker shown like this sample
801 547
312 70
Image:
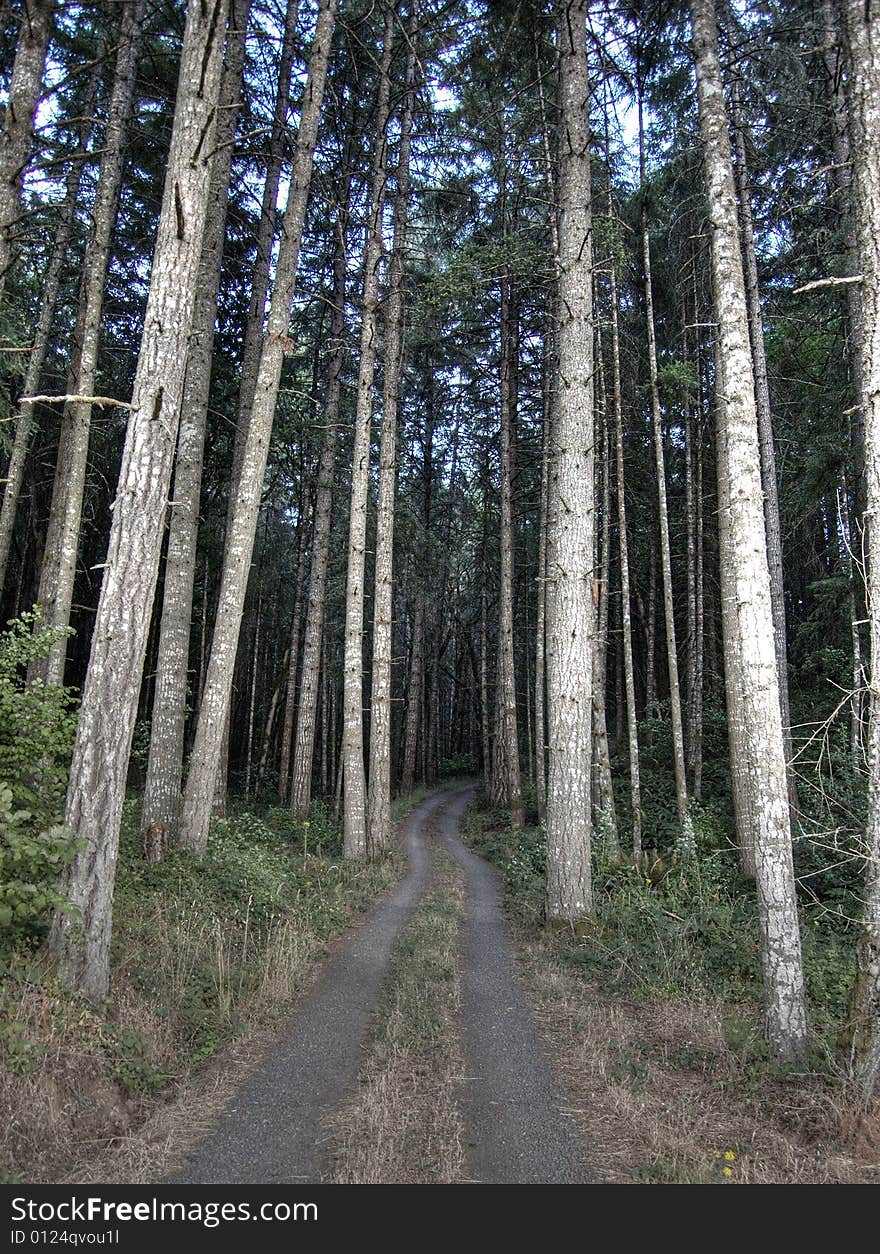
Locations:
269 1133
517 1132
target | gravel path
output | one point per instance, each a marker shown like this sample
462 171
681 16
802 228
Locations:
270 1131
518 1134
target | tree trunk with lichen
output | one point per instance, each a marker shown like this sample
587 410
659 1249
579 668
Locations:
863 37
379 790
572 622
749 624
79 939
162 790
354 773
16 134
214 711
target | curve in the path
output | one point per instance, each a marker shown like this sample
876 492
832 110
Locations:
517 1132
269 1132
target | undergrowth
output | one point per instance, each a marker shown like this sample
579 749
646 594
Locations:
653 1008
686 925
201 951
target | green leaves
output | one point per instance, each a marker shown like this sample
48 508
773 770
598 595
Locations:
31 860
36 737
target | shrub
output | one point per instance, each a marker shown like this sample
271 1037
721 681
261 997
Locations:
31 859
37 721
36 736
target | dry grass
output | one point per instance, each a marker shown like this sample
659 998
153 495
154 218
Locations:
118 1094
403 1125
662 1095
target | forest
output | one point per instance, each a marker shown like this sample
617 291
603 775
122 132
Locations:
439 443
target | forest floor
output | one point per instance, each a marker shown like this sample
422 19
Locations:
414 1057
669 1081
447 1038
452 1083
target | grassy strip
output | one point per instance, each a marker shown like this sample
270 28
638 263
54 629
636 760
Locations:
207 957
654 1017
403 1125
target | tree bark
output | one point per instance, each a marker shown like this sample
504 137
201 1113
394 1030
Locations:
506 788
541 615
379 792
734 681
262 267
651 705
834 56
665 549
604 812
261 275
750 633
304 747
16 135
414 696
570 642
354 778
80 935
58 572
162 790
765 430
214 712
293 660
24 421
626 621
863 37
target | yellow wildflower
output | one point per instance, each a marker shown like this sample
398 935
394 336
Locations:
729 1156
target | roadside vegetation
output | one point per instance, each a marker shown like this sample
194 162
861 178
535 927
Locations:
653 1006
203 951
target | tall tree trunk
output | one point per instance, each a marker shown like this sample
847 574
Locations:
293 660
506 790
570 642
765 430
58 572
80 934
734 680
16 135
240 539
665 549
261 276
541 616
379 794
414 696
325 721
24 421
354 779
270 724
863 35
252 703
603 787
626 622
486 735
304 747
651 705
695 713
842 175
162 790
546 444
752 625
530 743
